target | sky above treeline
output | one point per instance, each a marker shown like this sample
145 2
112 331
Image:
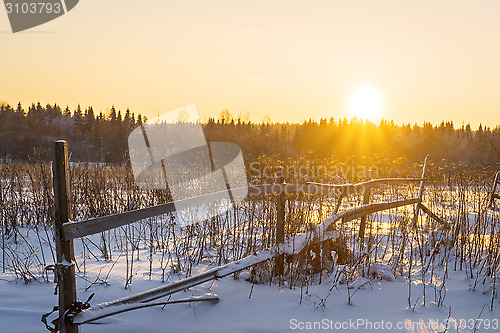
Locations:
292 60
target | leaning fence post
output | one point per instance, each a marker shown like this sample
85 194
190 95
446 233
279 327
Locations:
496 181
366 200
65 268
420 193
280 221
2 218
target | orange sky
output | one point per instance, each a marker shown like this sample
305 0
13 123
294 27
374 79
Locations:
430 60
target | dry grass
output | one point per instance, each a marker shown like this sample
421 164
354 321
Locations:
392 247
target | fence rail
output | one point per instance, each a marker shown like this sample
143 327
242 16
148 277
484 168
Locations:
74 230
293 245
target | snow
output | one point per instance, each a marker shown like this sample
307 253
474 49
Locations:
381 271
269 309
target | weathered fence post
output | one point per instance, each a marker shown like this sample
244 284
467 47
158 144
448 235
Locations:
2 218
420 193
280 221
366 200
496 181
65 268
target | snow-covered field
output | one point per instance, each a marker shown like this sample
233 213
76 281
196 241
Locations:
379 305
460 292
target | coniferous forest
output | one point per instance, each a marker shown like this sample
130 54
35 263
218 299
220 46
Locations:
95 136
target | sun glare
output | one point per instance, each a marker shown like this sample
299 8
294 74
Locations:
365 103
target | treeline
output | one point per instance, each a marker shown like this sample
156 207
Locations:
92 137
354 140
98 137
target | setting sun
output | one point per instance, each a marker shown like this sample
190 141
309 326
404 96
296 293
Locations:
365 103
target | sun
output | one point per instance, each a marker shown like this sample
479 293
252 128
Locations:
366 103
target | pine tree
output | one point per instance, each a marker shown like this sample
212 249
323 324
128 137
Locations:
20 110
112 114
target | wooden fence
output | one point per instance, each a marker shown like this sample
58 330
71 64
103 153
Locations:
71 312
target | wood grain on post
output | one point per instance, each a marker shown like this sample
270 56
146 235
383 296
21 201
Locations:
2 220
64 248
280 223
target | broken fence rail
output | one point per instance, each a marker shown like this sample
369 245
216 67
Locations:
293 245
